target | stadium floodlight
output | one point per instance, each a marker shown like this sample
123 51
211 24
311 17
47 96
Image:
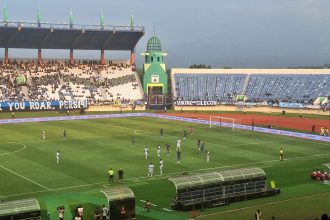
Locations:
224 121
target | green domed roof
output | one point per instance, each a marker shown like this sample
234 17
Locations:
154 45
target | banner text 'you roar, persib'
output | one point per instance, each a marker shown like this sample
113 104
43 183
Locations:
43 106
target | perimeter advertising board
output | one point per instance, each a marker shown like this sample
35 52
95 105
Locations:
42 106
196 103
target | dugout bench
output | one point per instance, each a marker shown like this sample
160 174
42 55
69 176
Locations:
26 209
121 202
219 188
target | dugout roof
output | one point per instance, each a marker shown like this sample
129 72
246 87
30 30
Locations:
18 206
183 182
327 165
80 37
118 193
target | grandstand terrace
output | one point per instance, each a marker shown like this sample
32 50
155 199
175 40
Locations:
257 85
97 81
26 80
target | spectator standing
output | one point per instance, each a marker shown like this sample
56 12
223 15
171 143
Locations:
313 129
257 215
147 206
61 212
105 212
97 214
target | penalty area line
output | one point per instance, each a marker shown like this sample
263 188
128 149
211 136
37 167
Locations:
17 174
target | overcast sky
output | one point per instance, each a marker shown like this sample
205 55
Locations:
235 33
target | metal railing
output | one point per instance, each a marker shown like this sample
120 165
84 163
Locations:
48 25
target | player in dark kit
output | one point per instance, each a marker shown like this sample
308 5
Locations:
64 133
167 149
162 133
132 141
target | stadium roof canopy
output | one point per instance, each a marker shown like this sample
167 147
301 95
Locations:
31 35
183 182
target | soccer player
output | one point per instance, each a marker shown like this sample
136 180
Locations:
178 153
58 157
167 149
191 130
199 144
202 147
132 141
162 133
161 165
158 151
43 135
64 133
184 134
178 143
281 154
207 156
146 152
150 170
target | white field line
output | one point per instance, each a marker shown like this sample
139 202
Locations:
265 204
164 176
17 174
146 201
16 151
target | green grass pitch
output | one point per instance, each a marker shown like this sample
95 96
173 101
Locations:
28 166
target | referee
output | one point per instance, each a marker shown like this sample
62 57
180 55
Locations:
111 174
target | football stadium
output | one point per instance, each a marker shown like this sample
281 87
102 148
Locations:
110 139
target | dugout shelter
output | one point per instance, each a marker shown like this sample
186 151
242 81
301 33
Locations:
219 188
26 209
121 202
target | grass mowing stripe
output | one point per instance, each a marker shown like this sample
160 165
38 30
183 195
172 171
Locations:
265 204
164 176
24 177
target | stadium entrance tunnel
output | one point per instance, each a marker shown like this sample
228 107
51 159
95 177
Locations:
26 209
121 202
219 188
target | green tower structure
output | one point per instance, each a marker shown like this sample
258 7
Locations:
154 69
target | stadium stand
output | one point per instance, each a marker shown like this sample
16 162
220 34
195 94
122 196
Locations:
289 85
59 80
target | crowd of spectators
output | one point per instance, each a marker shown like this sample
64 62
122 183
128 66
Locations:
324 131
320 175
59 80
